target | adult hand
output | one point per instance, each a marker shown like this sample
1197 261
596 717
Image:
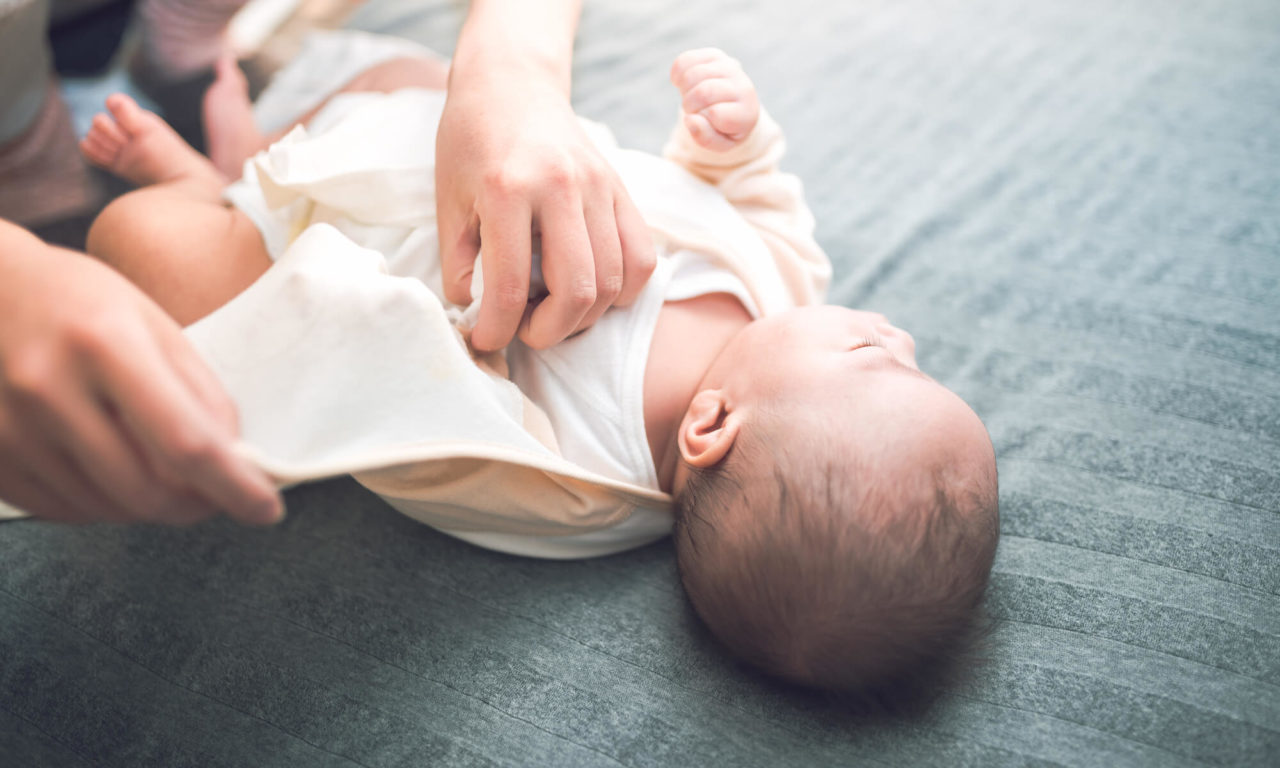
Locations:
512 163
106 412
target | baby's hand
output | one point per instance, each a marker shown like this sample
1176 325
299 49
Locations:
719 101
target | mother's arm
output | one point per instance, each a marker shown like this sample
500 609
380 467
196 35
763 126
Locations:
511 160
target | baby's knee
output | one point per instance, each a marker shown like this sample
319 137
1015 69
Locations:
143 234
119 230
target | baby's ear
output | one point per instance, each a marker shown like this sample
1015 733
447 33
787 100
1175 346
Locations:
708 429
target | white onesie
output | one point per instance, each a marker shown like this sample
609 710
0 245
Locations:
592 389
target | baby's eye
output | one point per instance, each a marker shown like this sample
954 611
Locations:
867 341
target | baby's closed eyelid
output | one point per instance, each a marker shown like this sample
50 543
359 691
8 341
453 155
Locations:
872 340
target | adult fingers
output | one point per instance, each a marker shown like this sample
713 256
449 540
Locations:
103 473
24 491
56 485
638 255
35 432
459 246
181 437
202 382
457 227
606 251
569 270
505 237
118 471
43 480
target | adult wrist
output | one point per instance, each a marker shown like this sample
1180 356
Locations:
483 65
527 42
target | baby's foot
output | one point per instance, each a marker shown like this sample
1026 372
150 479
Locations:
229 130
138 145
719 100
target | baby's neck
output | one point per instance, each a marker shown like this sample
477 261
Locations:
689 336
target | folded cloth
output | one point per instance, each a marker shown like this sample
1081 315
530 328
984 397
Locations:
338 367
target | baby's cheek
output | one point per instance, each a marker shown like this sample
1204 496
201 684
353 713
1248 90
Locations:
905 348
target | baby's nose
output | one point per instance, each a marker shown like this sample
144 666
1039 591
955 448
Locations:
889 331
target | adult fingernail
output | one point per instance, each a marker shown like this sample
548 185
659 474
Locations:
271 513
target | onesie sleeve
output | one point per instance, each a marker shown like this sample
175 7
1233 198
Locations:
771 201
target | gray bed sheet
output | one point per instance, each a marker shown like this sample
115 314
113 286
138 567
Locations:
1073 205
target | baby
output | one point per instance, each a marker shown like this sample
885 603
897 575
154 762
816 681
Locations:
835 508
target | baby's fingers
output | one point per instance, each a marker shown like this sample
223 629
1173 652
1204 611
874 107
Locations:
734 119
708 92
702 132
693 58
725 68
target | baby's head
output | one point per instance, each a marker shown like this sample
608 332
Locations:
836 508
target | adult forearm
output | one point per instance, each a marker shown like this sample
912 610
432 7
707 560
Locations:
533 37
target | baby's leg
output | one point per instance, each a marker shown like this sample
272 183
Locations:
173 237
232 135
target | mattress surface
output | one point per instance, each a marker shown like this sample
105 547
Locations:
1073 206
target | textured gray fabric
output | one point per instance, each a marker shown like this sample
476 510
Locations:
1072 205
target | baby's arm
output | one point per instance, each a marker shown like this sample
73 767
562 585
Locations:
725 138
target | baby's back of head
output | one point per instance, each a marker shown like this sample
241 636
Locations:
850 557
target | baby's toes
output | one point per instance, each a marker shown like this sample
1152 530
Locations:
99 150
131 118
105 129
227 72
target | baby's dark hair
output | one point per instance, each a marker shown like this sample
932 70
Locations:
812 569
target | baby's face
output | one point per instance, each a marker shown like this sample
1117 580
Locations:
844 372
812 350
